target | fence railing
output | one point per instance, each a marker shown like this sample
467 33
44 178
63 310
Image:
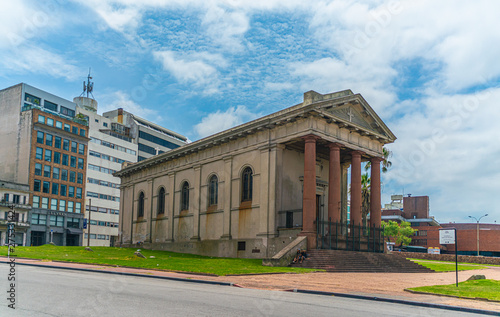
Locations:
342 236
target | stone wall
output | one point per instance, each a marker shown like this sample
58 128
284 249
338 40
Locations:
451 257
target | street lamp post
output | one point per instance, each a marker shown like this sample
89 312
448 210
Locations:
477 229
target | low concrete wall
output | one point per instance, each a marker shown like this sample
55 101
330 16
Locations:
286 255
450 257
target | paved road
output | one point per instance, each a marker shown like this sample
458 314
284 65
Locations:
53 292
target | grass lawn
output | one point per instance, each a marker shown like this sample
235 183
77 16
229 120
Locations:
441 266
162 260
487 289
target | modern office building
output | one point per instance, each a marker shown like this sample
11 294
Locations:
110 145
44 144
151 138
14 208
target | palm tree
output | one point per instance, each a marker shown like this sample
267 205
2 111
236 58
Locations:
386 164
365 197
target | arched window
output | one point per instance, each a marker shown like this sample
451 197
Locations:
140 209
161 201
185 196
213 190
247 184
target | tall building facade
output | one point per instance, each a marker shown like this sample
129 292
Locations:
110 146
44 145
151 138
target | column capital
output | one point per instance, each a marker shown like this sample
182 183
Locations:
310 138
334 146
356 152
376 159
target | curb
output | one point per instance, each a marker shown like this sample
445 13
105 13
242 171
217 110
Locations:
399 301
453 296
180 279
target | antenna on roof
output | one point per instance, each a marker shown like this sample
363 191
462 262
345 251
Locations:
88 87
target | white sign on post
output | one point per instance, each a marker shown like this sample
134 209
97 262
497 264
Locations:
446 236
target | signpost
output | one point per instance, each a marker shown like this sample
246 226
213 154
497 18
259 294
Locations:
449 236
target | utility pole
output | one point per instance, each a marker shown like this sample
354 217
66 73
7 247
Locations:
477 229
88 224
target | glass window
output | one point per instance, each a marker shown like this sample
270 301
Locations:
185 196
79 178
48 155
64 175
70 206
50 122
55 189
105 124
73 222
46 171
247 184
82 132
36 185
161 201
53 220
39 153
59 124
62 205
72 161
74 129
53 204
67 112
46 187
48 139
66 145
140 209
41 119
78 208
78 192
36 201
74 146
50 105
32 99
67 127
65 158
57 142
38 169
57 157
63 190
55 173
213 191
71 191
81 149
72 176
39 137
45 202
80 163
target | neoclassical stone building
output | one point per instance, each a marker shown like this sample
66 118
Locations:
250 190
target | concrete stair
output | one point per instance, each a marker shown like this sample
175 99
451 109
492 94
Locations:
351 261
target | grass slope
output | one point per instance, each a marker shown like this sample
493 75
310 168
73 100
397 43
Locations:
484 289
162 260
447 266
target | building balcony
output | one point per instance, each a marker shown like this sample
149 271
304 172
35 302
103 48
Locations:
17 224
4 203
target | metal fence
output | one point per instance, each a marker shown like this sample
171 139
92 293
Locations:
342 236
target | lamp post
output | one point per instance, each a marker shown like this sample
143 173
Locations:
477 220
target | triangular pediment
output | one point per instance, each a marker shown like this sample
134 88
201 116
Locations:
357 113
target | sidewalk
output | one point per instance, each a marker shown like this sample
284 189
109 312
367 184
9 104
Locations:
382 285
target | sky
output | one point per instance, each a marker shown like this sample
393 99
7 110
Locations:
429 69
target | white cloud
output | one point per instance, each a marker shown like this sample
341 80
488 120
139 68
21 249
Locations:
219 121
226 28
36 60
193 69
120 99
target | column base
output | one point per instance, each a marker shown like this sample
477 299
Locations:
311 239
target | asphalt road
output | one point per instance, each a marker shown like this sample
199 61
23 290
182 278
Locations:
53 292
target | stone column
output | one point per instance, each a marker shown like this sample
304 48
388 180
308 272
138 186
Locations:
375 200
344 191
150 220
356 188
309 191
171 204
227 197
334 183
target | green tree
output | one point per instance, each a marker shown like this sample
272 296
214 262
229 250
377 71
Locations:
386 164
365 197
400 233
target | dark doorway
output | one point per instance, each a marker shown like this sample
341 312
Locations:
318 206
289 219
72 240
37 238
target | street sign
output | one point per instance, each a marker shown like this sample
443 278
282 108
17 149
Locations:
446 236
